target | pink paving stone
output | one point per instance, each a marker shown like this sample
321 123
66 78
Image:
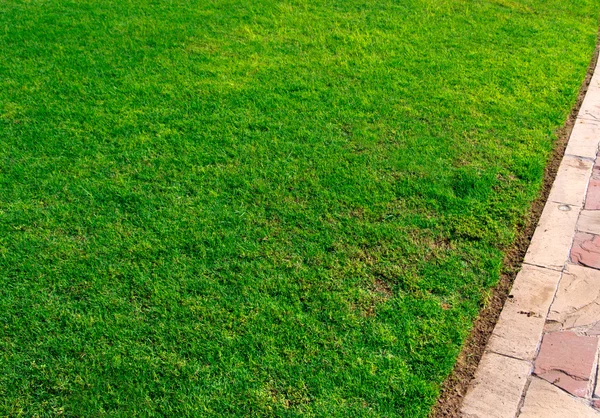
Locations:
567 360
592 199
586 250
596 404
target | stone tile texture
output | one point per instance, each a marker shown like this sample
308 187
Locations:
553 236
592 197
584 139
589 221
544 400
590 108
496 389
521 323
596 396
577 301
571 181
567 360
586 250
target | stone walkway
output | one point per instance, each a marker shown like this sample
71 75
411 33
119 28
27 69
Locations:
542 358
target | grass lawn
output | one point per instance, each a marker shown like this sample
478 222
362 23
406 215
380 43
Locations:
264 208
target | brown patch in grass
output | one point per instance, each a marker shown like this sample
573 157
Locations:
383 288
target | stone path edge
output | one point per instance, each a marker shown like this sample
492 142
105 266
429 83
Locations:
453 390
499 389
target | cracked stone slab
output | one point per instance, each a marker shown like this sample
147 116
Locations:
593 329
568 361
547 401
571 181
586 250
519 328
577 301
496 390
589 221
553 236
584 139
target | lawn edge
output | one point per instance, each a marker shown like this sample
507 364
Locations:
455 387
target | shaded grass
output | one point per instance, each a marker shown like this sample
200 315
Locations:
264 208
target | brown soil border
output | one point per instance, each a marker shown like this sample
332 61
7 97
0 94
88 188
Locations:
455 387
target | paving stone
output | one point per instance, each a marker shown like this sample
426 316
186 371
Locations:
590 108
577 301
584 139
496 389
595 80
553 236
597 389
544 400
589 221
593 329
592 197
586 249
568 361
571 181
521 323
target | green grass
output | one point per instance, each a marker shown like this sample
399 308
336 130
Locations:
264 208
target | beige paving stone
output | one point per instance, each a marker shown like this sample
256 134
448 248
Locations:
521 323
553 236
544 400
577 301
589 221
590 108
571 181
595 80
584 139
590 330
497 387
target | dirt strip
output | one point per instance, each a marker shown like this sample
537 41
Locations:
455 387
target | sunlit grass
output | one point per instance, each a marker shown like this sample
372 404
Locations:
263 208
